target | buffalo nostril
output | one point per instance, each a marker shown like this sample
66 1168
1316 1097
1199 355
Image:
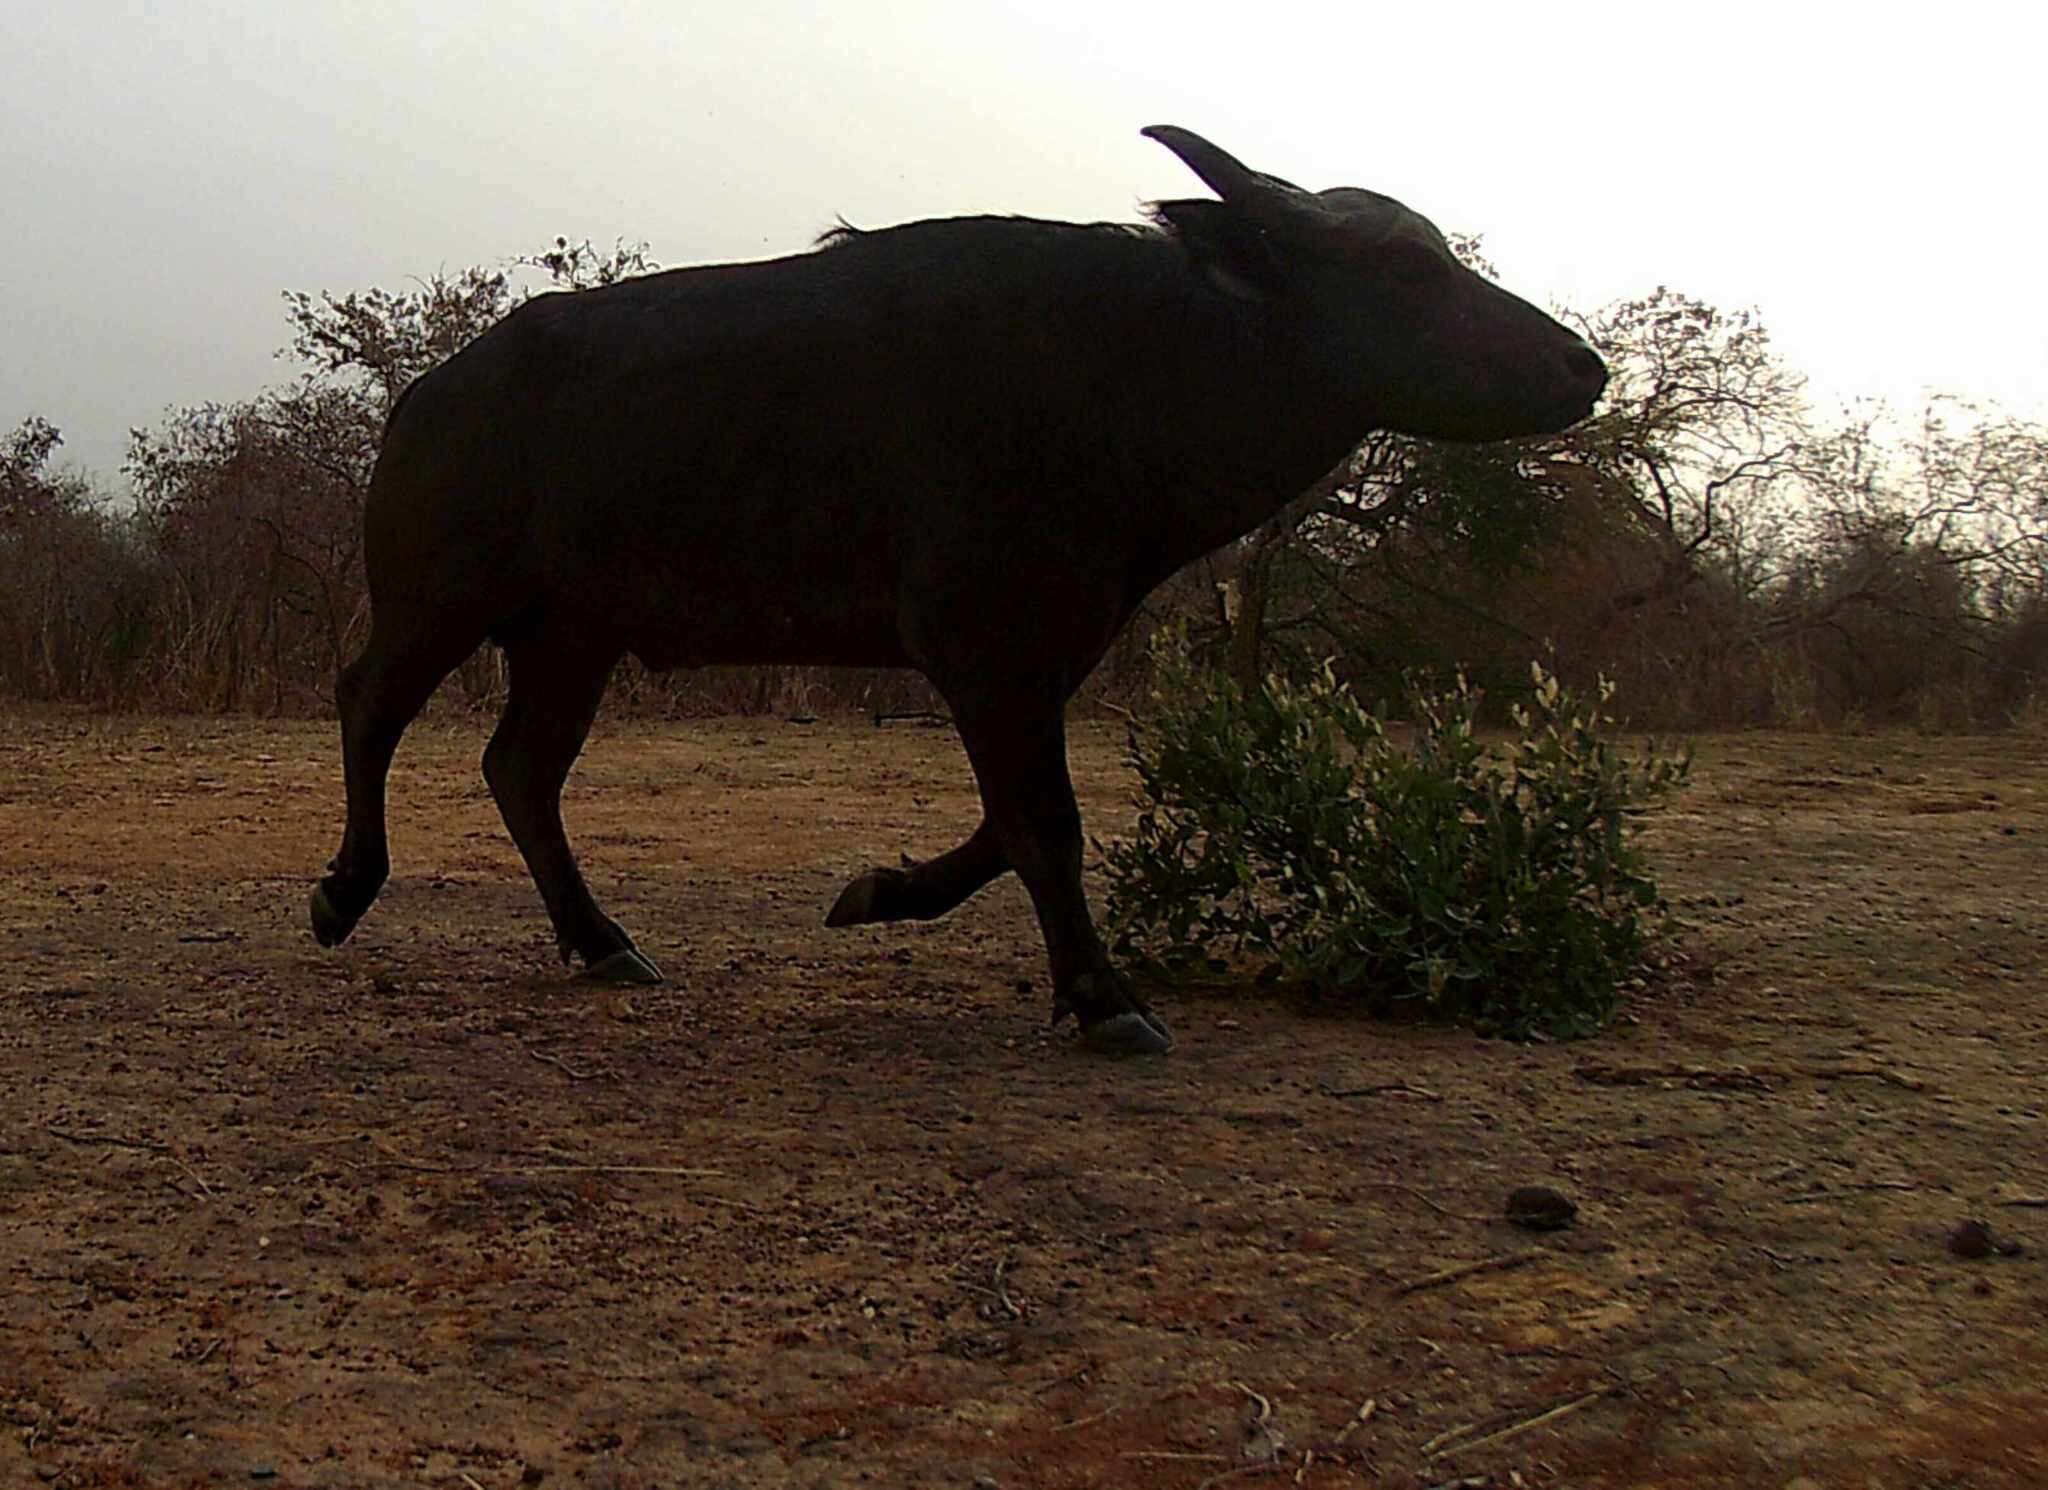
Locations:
1585 365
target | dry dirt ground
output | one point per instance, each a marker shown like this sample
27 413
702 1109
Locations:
836 1208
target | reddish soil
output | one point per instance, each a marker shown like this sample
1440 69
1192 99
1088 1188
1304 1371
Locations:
836 1208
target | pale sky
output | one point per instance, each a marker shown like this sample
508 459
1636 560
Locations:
1866 177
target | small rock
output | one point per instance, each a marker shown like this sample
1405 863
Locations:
1263 1444
1971 1239
1540 1208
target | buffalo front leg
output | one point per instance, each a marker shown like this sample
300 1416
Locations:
1019 752
922 891
554 694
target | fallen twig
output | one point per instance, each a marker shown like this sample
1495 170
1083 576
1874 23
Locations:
694 1174
1093 1417
1550 1416
140 1145
1358 1419
205 1190
332 1139
1466 1270
1001 1297
402 1161
393 1160
1741 1077
1783 1261
1171 1454
1393 1088
602 1073
1745 1078
1441 1210
1073 1378
2030 1202
1265 1407
1430 1445
1878 1073
1842 1190
147 1146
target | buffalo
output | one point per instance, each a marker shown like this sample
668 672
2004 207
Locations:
969 446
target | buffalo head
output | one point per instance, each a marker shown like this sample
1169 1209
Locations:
1370 294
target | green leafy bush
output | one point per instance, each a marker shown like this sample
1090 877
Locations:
1286 829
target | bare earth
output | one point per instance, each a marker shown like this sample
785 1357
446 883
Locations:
834 1208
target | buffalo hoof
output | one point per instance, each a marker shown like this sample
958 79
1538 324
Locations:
330 926
625 966
866 899
1131 1033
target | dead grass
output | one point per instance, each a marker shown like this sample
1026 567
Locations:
834 1205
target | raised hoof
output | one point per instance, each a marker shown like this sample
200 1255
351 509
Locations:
330 926
626 966
1128 1034
856 905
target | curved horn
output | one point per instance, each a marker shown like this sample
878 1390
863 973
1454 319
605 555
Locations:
1223 173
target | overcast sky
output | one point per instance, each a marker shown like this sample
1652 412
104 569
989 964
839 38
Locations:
1868 179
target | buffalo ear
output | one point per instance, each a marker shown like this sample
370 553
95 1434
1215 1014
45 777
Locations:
1236 253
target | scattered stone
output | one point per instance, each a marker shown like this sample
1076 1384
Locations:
1974 1238
1540 1208
1971 1239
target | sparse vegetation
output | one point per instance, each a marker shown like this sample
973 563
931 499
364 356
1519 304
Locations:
1289 829
1703 540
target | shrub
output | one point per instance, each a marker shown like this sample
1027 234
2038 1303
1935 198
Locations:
1286 828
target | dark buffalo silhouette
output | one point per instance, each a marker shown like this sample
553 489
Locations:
967 446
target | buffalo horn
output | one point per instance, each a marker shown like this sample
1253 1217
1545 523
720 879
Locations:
1223 173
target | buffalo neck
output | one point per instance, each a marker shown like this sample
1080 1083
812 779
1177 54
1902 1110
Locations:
1250 424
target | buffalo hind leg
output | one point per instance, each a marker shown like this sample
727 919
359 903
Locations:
554 694
922 891
379 695
1019 751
